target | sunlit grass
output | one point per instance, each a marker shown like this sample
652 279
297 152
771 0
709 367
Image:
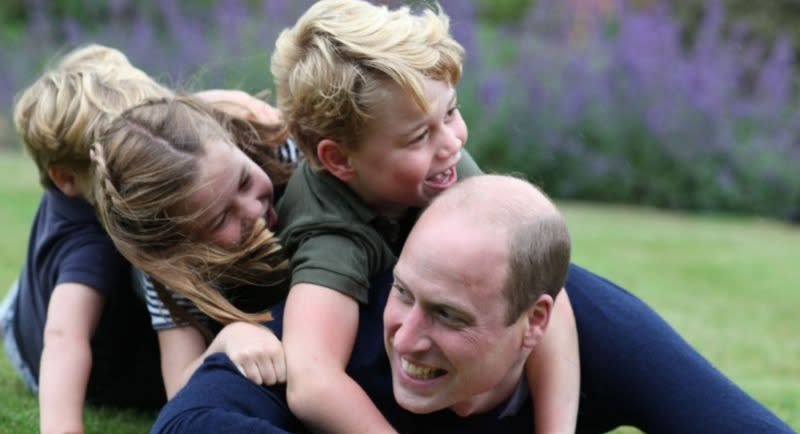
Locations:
728 284
19 412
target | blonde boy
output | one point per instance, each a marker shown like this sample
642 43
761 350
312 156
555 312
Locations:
74 328
369 96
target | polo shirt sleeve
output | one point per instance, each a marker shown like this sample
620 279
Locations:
94 262
340 261
160 316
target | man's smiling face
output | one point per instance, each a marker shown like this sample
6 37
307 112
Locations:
445 328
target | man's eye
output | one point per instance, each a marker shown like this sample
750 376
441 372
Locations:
444 314
401 292
449 317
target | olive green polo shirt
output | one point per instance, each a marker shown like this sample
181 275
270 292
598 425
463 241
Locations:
334 239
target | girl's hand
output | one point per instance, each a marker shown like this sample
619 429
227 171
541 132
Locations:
255 350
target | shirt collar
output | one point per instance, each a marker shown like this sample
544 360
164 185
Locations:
516 401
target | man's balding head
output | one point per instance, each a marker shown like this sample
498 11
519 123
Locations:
512 209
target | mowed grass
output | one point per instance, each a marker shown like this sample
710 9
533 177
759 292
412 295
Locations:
19 412
729 285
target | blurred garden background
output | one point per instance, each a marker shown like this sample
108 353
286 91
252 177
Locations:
687 106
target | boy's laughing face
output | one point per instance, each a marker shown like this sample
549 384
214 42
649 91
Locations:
408 156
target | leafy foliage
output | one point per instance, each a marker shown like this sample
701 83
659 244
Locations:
612 105
594 99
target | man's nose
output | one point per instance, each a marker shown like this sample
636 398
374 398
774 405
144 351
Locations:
412 334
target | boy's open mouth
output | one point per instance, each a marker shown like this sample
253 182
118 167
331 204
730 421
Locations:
442 180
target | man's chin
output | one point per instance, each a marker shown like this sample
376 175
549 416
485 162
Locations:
412 405
415 403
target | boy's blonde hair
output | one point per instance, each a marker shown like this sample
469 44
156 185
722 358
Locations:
60 115
146 166
332 68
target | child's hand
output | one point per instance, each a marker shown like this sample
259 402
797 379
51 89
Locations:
241 104
256 351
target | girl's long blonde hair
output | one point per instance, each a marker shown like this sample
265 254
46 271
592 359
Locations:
145 164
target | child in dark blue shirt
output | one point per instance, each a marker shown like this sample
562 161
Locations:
73 326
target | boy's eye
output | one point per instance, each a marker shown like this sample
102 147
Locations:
452 111
420 137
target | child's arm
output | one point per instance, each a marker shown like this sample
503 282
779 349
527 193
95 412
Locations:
553 371
72 316
181 353
253 348
319 332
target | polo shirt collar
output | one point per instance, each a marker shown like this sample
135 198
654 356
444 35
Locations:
75 209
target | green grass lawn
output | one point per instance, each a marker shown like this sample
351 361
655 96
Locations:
727 284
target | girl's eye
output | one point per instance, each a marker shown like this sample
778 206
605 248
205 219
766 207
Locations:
244 181
221 220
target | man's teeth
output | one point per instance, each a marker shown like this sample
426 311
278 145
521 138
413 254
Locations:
419 372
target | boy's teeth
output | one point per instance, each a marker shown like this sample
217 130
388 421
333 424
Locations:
441 177
418 372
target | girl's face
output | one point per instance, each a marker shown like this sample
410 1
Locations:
231 194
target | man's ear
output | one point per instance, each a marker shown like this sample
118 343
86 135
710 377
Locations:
335 159
537 317
64 179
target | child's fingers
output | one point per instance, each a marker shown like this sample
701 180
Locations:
267 372
272 367
265 113
262 363
250 369
279 363
274 362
